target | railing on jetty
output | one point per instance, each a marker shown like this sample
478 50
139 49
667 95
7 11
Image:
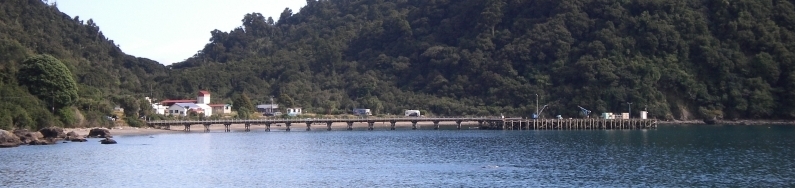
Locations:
483 123
310 121
572 124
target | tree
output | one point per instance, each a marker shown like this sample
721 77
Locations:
242 104
49 80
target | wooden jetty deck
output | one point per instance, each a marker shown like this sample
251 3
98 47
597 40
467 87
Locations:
483 123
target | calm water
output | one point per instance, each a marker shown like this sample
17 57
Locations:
671 156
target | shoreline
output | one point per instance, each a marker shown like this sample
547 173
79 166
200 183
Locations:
136 131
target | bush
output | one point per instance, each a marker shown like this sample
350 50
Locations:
67 117
134 122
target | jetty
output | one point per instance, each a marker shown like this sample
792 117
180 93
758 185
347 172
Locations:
490 123
571 124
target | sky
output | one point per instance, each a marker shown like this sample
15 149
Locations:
169 31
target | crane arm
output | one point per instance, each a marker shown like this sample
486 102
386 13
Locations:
585 112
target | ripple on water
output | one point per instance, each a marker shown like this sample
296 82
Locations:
667 157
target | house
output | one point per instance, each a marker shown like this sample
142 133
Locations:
362 112
267 108
203 101
293 111
180 107
221 108
159 108
183 109
172 102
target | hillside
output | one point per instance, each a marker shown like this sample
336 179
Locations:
677 58
105 76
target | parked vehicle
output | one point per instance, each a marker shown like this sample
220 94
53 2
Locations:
412 113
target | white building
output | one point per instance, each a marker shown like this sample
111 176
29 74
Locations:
183 109
268 108
203 101
159 109
293 111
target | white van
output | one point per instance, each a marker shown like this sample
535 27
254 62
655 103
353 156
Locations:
412 113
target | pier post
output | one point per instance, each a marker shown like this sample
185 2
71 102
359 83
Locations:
227 127
328 124
458 124
168 126
370 125
206 127
187 128
435 125
308 126
248 127
287 124
392 125
413 125
480 123
268 127
350 125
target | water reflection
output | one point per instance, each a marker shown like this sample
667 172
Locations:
669 156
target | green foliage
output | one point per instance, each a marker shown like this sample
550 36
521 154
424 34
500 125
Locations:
243 105
709 58
67 117
6 121
244 113
134 122
730 60
48 79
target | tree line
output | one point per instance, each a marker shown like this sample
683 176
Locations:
677 59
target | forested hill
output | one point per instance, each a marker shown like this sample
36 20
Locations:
676 58
105 75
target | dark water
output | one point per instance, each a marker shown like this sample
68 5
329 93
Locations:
671 156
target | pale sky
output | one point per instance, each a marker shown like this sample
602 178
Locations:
169 31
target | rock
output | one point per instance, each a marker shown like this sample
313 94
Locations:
72 134
74 137
709 121
26 136
99 133
53 132
8 139
107 141
41 142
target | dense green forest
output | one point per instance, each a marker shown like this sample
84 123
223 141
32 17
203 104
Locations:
676 58
104 75
679 59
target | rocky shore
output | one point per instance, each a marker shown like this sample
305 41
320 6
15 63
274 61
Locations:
48 136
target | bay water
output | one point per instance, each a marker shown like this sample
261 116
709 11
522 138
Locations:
669 156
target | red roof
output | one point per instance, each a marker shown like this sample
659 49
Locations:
171 102
179 100
203 93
